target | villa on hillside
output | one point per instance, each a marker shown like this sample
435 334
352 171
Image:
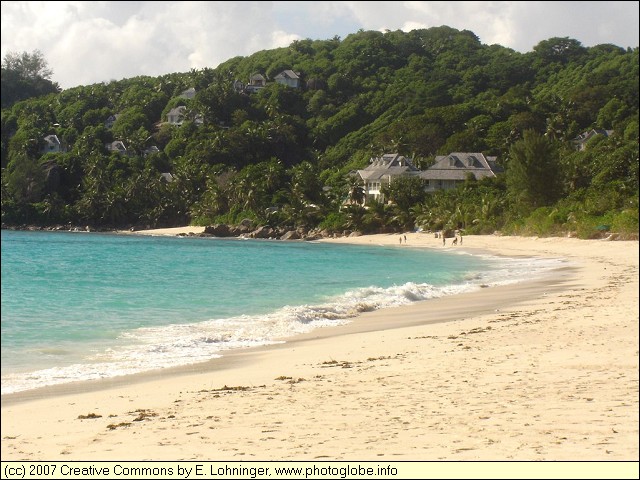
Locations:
580 142
256 83
381 171
176 116
448 172
117 146
452 170
51 144
288 78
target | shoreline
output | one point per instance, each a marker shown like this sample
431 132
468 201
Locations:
442 310
391 363
364 322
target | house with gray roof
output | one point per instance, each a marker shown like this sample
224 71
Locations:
117 146
176 116
257 82
166 177
381 171
580 142
452 170
288 78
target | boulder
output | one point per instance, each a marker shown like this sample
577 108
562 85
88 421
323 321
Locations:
290 235
218 230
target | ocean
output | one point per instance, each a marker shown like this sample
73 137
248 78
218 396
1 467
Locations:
79 306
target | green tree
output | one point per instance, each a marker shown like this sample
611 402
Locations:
405 191
357 195
533 173
27 65
25 180
25 75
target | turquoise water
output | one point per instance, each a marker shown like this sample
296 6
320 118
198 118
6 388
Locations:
79 306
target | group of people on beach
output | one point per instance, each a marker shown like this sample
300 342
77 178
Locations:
457 235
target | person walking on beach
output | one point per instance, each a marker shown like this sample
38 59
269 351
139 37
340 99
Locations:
444 239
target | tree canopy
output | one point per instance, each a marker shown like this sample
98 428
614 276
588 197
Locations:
25 75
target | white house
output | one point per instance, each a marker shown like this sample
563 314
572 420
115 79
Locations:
176 116
256 83
288 78
381 171
51 144
451 170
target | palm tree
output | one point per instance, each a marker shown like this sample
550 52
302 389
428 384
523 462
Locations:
355 216
357 194
375 218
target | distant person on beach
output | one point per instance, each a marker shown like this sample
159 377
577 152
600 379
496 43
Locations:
444 239
455 241
405 239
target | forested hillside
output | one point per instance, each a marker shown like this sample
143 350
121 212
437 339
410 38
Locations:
281 156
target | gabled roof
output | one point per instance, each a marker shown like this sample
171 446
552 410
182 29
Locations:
166 177
51 144
388 165
584 137
116 146
177 111
457 165
257 78
176 116
287 74
52 140
590 133
151 149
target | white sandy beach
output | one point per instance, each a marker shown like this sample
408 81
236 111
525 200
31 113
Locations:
546 370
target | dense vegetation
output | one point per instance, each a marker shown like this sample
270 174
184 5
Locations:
282 156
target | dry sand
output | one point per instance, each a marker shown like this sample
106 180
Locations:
546 370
